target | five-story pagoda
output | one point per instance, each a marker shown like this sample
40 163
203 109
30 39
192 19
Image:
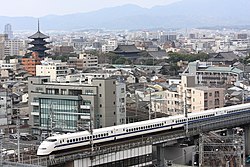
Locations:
39 43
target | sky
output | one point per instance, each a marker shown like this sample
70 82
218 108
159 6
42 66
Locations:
39 8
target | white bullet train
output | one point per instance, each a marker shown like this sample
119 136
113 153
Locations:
109 134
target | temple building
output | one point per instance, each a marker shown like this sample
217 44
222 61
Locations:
39 43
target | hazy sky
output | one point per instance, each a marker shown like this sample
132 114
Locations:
38 8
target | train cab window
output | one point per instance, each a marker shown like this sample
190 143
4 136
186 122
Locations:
51 140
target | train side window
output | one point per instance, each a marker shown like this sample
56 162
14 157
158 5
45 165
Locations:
67 141
70 140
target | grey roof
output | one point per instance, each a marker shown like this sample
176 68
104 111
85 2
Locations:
162 54
126 48
38 34
224 56
223 69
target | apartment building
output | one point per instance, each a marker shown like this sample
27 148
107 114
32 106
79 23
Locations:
84 61
14 47
210 75
70 106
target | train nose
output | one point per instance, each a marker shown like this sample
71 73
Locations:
45 149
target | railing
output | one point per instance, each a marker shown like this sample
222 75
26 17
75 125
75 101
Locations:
166 136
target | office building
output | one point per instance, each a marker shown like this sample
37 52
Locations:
70 106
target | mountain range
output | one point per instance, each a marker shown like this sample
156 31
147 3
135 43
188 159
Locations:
181 14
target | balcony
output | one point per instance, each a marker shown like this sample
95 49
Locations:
34 103
86 107
85 117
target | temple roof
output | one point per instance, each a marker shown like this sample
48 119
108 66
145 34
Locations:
38 34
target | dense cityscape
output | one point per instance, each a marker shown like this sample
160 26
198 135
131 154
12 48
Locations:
132 97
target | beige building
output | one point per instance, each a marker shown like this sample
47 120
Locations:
84 61
189 96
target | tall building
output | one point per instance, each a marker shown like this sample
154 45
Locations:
8 31
39 43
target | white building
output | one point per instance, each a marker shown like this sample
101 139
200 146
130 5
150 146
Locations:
52 68
111 46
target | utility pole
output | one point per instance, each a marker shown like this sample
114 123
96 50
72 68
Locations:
91 127
18 137
1 150
150 106
186 110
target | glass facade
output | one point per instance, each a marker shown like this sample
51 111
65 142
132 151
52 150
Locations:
65 113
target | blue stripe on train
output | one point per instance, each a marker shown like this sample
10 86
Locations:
189 122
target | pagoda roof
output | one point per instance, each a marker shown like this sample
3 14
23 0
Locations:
38 34
38 42
34 48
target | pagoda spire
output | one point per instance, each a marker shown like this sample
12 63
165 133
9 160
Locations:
38 25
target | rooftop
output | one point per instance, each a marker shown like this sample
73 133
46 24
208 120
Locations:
223 69
38 34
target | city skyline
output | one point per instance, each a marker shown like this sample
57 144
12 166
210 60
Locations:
62 7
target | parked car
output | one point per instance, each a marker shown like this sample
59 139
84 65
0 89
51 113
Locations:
13 136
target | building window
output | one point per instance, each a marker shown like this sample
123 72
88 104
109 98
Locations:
113 92
100 84
100 105
100 95
63 91
75 92
210 94
205 95
122 90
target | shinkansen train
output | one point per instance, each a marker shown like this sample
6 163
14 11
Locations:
109 134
